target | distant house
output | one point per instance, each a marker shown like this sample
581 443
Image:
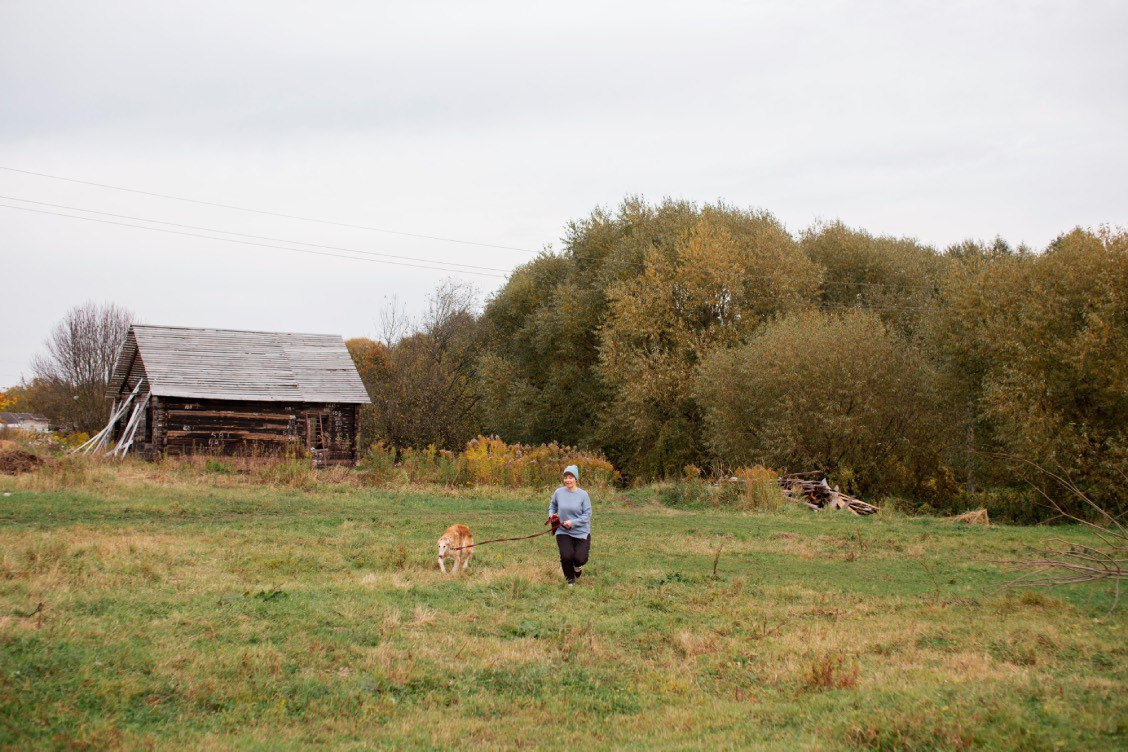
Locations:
25 422
181 391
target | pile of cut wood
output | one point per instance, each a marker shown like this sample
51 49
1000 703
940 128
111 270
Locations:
818 495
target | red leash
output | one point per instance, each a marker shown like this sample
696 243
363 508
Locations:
553 520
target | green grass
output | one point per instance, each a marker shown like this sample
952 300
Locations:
203 610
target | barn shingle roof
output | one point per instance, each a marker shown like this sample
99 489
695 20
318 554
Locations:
238 365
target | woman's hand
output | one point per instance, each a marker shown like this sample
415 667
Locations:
567 524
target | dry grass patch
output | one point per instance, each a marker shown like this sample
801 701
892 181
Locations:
691 644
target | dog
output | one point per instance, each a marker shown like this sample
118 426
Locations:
456 537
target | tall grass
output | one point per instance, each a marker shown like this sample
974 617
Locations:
754 489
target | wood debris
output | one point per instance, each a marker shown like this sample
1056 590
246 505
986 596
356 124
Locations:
818 495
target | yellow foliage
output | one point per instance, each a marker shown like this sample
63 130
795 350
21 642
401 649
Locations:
72 440
489 461
761 487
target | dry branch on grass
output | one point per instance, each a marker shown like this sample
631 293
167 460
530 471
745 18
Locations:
976 517
1060 562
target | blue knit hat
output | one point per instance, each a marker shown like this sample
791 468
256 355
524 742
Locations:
575 471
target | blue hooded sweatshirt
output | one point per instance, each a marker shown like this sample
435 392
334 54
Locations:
572 505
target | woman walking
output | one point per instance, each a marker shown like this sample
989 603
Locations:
573 537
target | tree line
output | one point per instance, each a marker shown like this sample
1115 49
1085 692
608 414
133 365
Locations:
681 339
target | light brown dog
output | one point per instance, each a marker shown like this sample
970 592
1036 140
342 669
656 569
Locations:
456 537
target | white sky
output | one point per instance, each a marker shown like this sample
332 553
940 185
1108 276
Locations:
500 121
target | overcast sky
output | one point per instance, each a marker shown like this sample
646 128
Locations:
498 122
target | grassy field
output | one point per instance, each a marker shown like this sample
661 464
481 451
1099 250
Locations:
198 610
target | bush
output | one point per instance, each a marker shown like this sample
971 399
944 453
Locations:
286 472
689 493
839 393
380 462
489 461
760 489
749 488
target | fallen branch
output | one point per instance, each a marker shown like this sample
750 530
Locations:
977 517
1061 562
29 614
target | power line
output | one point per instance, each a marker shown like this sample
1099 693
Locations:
246 242
606 261
255 237
426 263
617 262
267 212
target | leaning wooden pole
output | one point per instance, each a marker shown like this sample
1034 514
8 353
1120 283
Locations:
131 428
98 441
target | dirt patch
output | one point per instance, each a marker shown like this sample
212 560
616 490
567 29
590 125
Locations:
16 461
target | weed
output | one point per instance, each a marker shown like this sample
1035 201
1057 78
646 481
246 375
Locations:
273 594
830 671
923 732
218 466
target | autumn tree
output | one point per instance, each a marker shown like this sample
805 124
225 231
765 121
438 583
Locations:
572 337
537 380
724 275
896 277
374 366
602 344
1057 387
70 379
423 385
839 392
975 309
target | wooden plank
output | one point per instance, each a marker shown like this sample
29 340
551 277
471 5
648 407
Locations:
230 435
228 414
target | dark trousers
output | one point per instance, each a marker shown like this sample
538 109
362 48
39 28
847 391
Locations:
573 553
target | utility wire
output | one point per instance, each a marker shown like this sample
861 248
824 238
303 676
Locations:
268 213
375 229
426 263
254 237
247 242
381 254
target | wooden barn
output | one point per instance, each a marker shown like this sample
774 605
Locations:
181 391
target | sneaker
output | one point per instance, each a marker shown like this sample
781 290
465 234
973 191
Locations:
572 583
579 571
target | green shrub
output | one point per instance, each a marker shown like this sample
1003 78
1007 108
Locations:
379 462
842 393
218 466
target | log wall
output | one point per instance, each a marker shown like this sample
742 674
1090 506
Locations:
179 426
